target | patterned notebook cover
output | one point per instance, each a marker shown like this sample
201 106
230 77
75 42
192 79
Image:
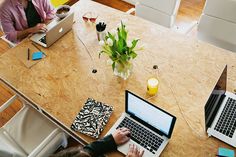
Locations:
92 118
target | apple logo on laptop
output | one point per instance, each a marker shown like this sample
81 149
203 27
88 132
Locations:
60 30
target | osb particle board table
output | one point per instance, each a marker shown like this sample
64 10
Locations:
188 69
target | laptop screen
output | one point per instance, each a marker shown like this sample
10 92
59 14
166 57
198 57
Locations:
215 99
149 114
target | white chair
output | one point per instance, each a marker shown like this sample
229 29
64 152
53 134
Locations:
11 44
29 133
217 24
162 12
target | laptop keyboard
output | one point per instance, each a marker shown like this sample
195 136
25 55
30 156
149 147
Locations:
227 121
141 135
43 39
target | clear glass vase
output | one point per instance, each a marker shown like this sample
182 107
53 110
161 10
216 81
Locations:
123 69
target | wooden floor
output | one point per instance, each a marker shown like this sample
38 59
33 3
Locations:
117 4
189 14
189 11
6 94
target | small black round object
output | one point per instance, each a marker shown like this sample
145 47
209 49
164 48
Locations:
94 71
155 67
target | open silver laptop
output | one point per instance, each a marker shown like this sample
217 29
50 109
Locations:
220 112
56 29
151 127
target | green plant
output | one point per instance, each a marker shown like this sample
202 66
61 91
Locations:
117 47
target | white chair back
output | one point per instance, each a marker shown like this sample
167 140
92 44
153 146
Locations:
162 12
11 44
1 27
169 7
3 37
223 9
130 1
217 24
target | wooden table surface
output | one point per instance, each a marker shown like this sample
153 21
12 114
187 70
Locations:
188 69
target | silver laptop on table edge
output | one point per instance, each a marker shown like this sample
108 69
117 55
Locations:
55 30
220 112
151 118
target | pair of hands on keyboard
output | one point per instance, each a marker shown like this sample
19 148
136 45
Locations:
40 27
121 136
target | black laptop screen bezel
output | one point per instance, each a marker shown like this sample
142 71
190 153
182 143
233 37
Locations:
146 124
221 84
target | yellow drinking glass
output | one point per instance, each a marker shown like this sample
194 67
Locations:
152 86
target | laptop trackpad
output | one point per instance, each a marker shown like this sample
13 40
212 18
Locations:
125 147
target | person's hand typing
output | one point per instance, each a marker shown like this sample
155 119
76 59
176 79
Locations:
121 136
40 27
134 151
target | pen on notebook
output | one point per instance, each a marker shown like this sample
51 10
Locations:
28 54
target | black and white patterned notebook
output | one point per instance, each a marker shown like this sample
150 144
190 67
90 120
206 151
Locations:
92 118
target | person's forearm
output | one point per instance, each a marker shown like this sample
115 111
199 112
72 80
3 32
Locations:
99 147
24 33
